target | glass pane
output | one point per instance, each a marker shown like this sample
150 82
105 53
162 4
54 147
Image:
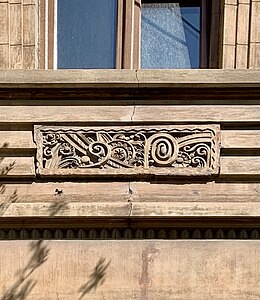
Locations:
86 34
170 35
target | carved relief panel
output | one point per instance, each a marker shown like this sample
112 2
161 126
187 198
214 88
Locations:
160 150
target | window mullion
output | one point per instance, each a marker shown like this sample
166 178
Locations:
137 34
119 35
51 22
204 33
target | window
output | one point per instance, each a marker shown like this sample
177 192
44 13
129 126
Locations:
170 35
86 34
130 34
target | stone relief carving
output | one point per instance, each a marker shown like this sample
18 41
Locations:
171 150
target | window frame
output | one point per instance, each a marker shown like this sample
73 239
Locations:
129 34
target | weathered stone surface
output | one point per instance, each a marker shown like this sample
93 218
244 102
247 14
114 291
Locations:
125 270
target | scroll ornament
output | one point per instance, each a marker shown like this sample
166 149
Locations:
121 149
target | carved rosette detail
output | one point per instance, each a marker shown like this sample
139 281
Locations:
123 149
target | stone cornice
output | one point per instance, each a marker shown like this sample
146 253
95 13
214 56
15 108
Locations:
201 78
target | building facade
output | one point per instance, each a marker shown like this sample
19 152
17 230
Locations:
129 183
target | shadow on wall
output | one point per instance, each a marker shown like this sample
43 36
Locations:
4 205
58 205
23 285
96 278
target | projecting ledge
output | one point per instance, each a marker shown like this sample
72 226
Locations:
130 209
129 78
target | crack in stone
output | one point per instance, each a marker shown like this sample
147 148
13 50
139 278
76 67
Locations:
137 79
130 192
130 208
133 113
136 76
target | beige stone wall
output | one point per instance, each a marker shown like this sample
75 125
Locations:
39 97
143 270
125 270
18 34
241 34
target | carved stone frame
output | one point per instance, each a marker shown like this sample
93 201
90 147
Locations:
162 132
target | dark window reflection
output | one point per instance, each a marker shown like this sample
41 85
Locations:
86 34
170 34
